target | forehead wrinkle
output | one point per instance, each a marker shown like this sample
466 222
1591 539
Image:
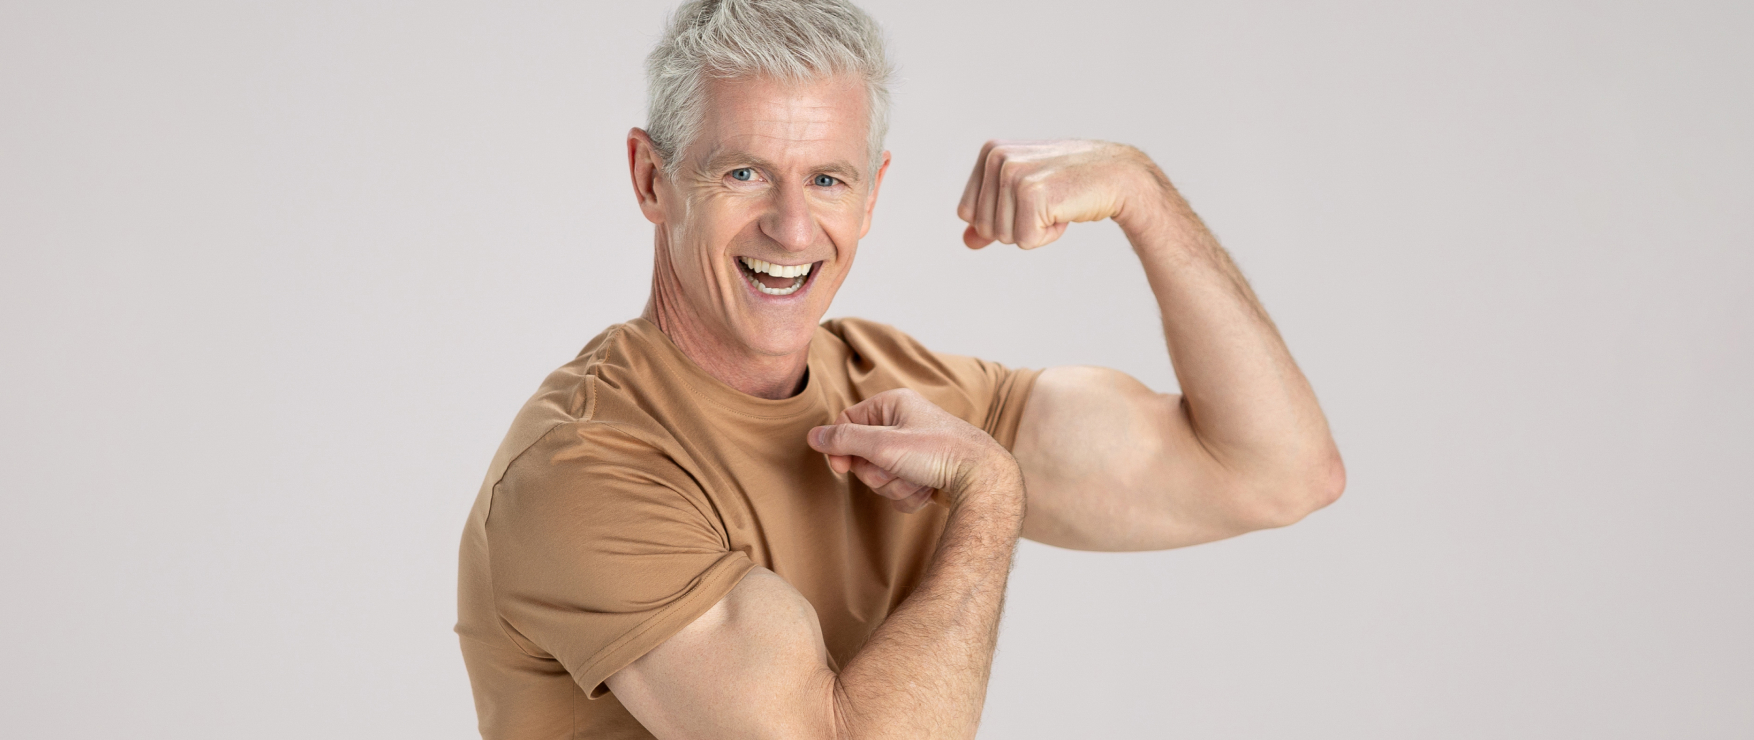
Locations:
801 118
789 127
791 131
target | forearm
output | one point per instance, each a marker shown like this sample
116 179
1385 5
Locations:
1243 395
924 672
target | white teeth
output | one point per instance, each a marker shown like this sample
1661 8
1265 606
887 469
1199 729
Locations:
796 272
779 271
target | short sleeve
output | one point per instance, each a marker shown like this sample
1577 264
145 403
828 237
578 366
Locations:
981 392
602 549
1005 390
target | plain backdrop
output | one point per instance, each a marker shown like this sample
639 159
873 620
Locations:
276 276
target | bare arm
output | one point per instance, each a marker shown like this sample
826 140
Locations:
1110 464
754 666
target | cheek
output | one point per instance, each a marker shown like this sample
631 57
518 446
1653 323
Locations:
844 223
708 234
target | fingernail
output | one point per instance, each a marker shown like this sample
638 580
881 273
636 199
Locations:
817 435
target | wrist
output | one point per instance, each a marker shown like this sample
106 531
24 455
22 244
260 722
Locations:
1154 216
995 482
1145 215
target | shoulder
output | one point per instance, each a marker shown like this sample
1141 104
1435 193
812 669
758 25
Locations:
894 356
871 345
568 395
587 438
871 335
877 357
602 399
598 469
586 510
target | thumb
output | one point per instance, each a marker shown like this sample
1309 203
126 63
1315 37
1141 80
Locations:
856 440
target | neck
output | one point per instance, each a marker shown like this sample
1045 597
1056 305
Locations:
754 373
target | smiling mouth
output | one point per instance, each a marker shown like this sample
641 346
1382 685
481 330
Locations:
772 279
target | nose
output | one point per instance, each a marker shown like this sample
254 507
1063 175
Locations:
790 223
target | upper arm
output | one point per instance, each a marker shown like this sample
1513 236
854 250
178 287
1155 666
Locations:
600 549
752 666
1110 464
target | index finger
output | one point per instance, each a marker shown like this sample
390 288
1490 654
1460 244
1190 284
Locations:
880 410
972 191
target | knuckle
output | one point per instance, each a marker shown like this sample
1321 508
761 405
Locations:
834 438
849 436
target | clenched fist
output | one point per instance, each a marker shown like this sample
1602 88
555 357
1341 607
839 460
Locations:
1027 192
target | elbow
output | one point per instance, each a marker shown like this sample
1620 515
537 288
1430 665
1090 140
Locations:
1285 499
1329 481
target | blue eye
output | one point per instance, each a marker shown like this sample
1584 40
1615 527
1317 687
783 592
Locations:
824 181
743 173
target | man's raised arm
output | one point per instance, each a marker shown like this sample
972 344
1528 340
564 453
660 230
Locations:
754 666
1110 464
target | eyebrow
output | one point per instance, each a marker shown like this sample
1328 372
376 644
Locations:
723 160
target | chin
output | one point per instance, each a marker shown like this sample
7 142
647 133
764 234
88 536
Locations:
780 338
782 325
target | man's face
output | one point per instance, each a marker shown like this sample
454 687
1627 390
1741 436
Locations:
767 207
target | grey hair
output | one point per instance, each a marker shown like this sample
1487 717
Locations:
787 40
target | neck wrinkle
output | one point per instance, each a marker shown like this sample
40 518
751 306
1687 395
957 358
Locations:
753 374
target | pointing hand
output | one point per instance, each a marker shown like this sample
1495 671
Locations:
905 448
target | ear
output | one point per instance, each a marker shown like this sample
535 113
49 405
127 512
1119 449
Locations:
647 168
871 198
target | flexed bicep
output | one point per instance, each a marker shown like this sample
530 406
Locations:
1110 464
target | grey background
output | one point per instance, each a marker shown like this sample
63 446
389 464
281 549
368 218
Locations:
275 278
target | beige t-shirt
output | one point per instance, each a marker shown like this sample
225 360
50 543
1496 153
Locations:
634 491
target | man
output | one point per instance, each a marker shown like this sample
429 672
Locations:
724 519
